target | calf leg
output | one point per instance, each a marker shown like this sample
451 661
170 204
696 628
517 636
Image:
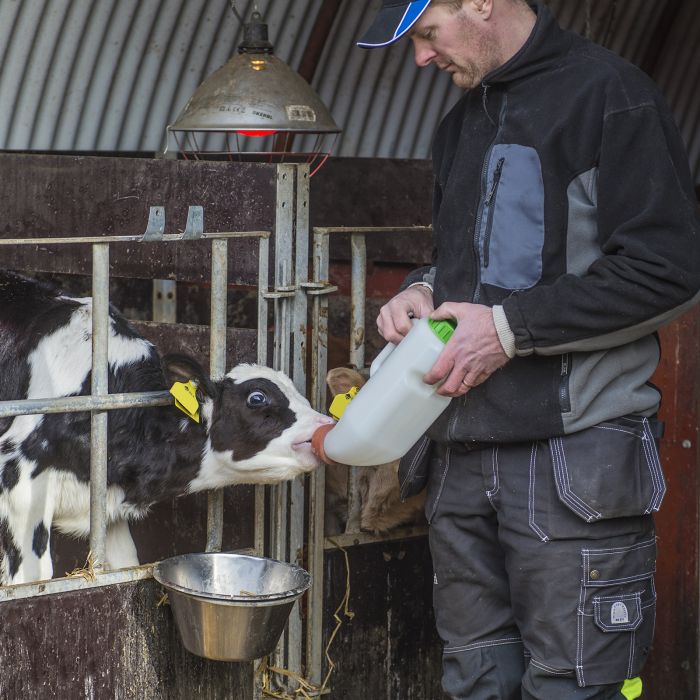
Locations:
121 550
26 511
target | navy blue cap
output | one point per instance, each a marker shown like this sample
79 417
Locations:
392 22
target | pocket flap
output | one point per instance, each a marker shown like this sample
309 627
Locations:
621 613
605 567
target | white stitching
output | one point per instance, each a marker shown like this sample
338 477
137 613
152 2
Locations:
552 671
567 496
482 645
592 513
633 641
531 496
496 478
579 638
619 550
448 451
618 429
655 466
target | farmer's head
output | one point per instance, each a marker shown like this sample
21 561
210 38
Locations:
466 38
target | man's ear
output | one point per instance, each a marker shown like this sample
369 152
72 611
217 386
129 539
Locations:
483 8
181 368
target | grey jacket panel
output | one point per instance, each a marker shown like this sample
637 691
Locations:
582 247
617 377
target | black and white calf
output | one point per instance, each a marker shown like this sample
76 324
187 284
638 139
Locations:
254 428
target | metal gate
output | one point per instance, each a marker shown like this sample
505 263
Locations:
279 514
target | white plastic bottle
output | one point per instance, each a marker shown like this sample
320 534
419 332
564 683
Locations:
395 407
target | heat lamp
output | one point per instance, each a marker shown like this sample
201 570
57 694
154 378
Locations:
259 108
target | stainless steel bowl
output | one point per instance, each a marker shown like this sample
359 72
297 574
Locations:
230 607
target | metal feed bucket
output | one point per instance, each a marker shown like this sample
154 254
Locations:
230 607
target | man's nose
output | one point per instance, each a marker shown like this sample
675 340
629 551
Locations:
423 54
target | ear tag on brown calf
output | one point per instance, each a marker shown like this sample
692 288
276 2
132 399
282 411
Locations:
185 394
340 403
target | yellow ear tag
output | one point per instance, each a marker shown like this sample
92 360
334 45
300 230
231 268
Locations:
186 398
340 403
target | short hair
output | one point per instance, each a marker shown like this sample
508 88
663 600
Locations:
456 5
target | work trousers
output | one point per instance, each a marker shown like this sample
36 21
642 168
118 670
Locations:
544 557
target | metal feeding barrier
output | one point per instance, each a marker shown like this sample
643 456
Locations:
278 510
100 401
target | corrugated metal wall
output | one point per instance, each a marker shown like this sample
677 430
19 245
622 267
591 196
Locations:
108 75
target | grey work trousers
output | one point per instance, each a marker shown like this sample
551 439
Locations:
544 557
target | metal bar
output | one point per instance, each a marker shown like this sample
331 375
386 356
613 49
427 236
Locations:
360 538
98 422
319 361
78 404
217 370
358 293
357 358
284 246
130 239
298 373
325 230
263 276
79 582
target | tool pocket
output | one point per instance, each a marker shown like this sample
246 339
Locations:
616 613
611 470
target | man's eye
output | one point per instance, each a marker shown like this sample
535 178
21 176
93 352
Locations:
256 399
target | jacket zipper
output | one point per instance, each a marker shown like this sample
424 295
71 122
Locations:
490 203
564 398
476 294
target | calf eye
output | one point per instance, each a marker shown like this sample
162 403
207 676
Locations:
256 399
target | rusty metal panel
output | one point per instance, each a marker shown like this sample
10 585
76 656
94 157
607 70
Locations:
47 195
241 343
389 649
112 642
672 671
385 192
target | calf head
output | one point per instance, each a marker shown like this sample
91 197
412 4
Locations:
258 426
382 507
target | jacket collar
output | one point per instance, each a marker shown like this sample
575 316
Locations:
546 43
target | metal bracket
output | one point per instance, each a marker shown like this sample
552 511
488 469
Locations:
317 289
156 225
281 292
194 228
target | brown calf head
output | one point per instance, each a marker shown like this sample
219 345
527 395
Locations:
382 507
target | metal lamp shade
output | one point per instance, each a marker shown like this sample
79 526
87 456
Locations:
255 92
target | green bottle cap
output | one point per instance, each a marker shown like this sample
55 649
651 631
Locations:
442 329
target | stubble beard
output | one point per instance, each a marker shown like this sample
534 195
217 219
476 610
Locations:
472 73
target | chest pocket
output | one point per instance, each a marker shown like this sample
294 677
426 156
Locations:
511 229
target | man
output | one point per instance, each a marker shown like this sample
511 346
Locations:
566 232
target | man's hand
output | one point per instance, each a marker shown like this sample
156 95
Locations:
473 353
394 319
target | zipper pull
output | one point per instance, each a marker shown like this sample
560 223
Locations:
496 180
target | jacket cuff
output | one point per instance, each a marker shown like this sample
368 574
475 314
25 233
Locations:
505 334
421 284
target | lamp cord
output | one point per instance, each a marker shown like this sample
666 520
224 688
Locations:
235 11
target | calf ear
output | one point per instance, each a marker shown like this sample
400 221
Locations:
341 379
181 368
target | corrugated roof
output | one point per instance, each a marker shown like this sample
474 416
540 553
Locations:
110 75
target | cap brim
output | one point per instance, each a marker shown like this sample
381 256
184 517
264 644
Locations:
391 23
